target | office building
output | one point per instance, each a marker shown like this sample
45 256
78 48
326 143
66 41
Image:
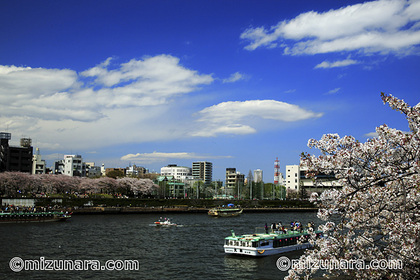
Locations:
203 170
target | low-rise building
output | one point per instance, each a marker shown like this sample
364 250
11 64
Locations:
92 171
179 172
109 170
170 187
71 165
296 180
135 171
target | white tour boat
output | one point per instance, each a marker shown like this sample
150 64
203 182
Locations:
265 244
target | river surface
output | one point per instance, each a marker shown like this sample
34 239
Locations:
191 251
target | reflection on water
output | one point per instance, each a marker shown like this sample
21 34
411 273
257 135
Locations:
193 251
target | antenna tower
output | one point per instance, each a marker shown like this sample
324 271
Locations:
276 171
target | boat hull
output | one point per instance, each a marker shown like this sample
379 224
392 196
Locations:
225 213
266 244
12 218
261 252
158 224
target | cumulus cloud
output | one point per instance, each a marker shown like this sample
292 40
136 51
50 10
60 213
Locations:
236 117
381 26
104 102
60 93
145 82
162 157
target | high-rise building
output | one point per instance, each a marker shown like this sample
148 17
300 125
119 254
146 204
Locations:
234 180
15 158
258 176
203 170
4 149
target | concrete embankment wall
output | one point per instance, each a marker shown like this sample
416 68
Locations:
146 210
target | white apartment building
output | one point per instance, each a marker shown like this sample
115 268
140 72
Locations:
74 166
135 171
292 177
178 172
295 180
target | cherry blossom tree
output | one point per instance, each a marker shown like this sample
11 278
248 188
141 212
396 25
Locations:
144 187
107 185
88 186
16 184
376 214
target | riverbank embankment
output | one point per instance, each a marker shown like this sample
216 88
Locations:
171 210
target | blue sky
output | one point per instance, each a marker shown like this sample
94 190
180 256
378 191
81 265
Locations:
237 83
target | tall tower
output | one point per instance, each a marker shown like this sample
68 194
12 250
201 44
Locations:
276 171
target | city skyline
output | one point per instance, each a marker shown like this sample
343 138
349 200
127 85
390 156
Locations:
235 83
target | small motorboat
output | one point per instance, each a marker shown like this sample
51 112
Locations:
166 222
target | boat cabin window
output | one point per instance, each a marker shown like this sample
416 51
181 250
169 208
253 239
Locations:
264 243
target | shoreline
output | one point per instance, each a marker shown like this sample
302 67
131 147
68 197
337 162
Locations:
175 210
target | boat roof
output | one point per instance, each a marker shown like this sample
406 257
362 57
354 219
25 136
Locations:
269 236
27 213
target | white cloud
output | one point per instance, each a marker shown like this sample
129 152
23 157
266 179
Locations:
333 91
60 108
60 94
381 26
236 117
372 135
234 78
341 63
145 82
162 157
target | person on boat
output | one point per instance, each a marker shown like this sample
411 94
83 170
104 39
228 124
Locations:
273 227
266 228
283 229
311 225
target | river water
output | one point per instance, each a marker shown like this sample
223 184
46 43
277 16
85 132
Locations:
191 251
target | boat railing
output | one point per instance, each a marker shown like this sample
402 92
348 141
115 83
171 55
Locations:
263 230
260 230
